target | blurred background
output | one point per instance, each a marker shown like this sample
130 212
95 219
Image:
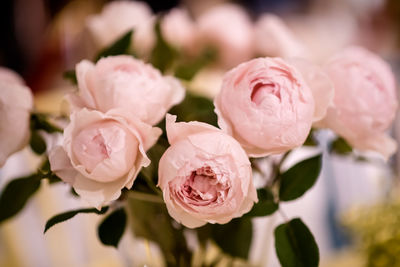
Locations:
353 210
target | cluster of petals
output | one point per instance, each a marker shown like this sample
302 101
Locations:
205 175
111 125
270 104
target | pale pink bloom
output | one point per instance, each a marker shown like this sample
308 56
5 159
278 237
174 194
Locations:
205 175
10 76
227 28
179 29
119 17
365 101
274 39
320 84
16 103
126 83
266 105
102 153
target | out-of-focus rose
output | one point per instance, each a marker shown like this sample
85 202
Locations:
126 83
119 17
102 153
320 84
16 103
274 38
205 175
229 29
9 76
266 105
207 82
179 29
365 100
319 42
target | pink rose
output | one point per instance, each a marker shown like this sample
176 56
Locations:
179 29
16 103
126 83
266 105
10 76
228 28
274 38
365 101
205 175
102 153
119 17
320 84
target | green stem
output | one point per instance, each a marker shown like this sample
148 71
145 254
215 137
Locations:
145 197
151 184
276 171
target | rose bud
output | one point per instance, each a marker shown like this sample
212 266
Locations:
126 83
266 105
16 103
102 153
205 175
365 101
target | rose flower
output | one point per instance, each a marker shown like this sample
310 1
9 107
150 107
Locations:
126 83
205 175
228 28
102 153
119 17
266 105
16 103
365 101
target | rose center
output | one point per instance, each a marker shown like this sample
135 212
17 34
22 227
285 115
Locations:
262 91
99 142
203 187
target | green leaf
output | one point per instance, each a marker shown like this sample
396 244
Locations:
295 245
300 178
234 238
45 172
195 108
120 47
37 143
73 192
15 195
163 54
40 121
311 141
112 228
340 146
71 76
70 214
187 70
266 204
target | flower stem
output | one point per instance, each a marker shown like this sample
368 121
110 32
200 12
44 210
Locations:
145 197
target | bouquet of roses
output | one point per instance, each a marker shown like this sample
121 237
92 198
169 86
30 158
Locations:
140 148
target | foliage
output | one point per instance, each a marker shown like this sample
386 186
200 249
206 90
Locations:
112 228
300 178
295 245
16 194
69 215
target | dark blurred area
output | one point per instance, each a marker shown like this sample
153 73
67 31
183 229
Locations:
26 45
